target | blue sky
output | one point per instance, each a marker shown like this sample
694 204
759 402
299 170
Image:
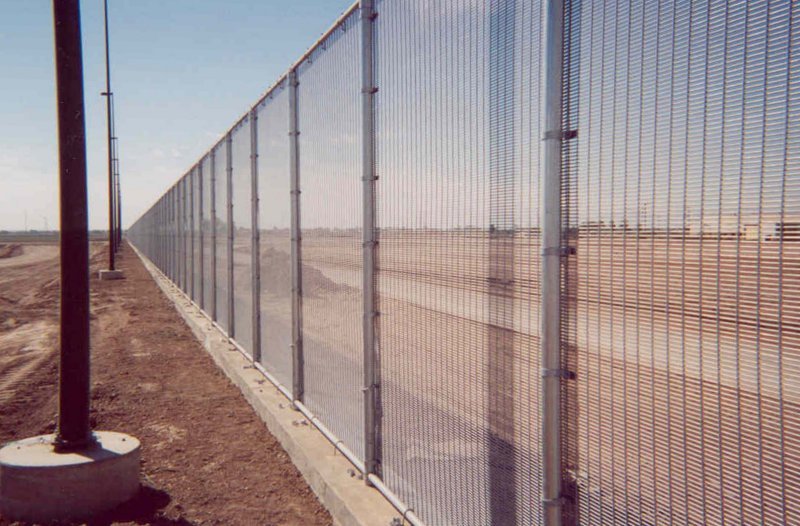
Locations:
182 72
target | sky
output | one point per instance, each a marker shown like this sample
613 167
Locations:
182 72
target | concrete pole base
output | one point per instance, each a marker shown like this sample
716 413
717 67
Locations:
106 275
39 485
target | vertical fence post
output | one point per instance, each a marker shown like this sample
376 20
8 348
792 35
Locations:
181 241
255 254
372 427
297 293
201 297
213 187
551 253
184 241
173 227
229 182
190 256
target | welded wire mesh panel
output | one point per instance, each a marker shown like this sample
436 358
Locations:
188 226
457 149
242 237
221 221
331 207
683 204
183 235
173 242
274 217
207 233
178 235
197 237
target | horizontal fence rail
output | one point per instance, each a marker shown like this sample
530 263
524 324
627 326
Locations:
522 262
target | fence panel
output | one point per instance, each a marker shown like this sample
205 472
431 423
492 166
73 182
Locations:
197 235
329 100
242 236
275 234
207 235
184 260
684 305
221 220
457 147
173 234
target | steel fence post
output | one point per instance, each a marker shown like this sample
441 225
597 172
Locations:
372 427
229 208
551 254
200 273
172 234
185 241
190 256
255 257
213 187
179 218
297 293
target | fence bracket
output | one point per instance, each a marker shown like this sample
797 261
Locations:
558 373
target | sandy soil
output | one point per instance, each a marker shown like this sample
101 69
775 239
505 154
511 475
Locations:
207 458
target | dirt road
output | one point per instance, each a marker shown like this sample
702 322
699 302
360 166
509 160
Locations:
207 458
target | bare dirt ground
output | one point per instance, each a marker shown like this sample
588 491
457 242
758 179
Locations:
207 458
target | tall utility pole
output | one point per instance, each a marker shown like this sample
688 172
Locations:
75 474
74 431
112 235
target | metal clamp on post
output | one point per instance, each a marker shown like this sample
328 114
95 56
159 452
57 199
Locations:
558 251
559 135
554 503
558 373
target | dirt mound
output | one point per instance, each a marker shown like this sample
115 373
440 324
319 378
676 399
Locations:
10 250
276 277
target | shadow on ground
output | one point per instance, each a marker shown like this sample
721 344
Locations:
147 507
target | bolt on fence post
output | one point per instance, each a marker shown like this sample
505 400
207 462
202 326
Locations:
213 187
551 253
255 255
201 294
229 182
297 293
372 427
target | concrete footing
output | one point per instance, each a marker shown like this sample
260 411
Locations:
111 274
38 484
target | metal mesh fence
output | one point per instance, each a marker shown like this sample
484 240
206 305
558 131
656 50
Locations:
275 223
679 291
243 236
330 203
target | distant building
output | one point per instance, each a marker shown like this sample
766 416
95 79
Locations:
769 227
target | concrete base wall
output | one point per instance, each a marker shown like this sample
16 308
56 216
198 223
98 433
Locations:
330 475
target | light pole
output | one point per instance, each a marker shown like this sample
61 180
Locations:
113 194
75 473
112 236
